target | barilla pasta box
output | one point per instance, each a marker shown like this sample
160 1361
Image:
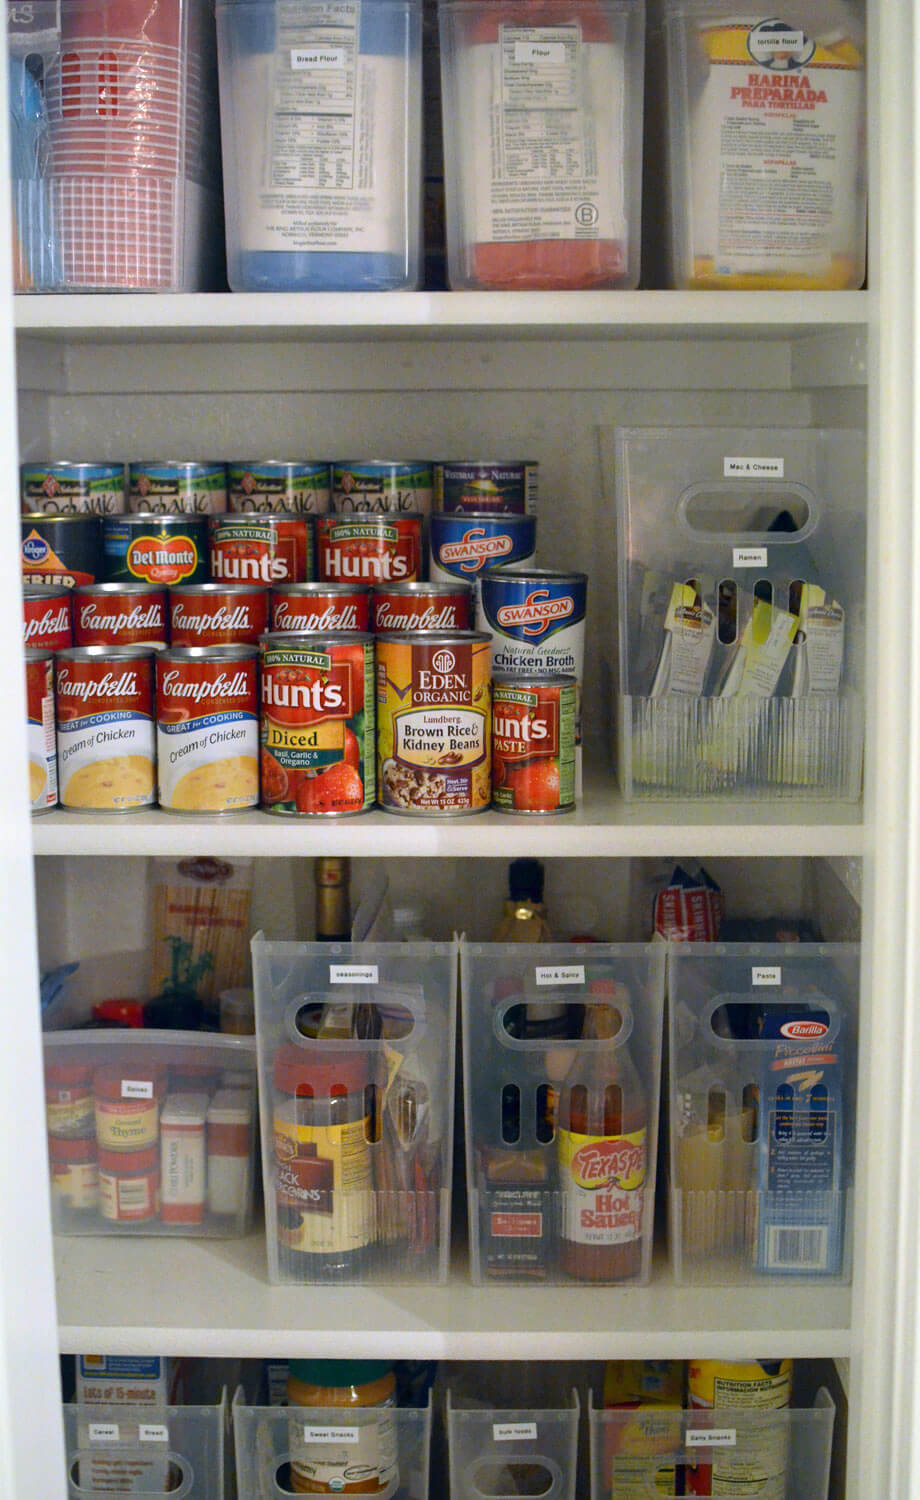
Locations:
801 1141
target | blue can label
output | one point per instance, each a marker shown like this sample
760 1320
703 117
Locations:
464 545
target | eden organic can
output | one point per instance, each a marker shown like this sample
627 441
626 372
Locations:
465 544
433 711
486 488
119 614
272 485
317 727
61 489
369 549
155 549
533 744
40 730
422 606
46 620
262 549
105 734
208 728
61 550
320 606
377 485
217 614
174 487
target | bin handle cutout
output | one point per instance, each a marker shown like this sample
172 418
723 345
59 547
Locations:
712 523
825 1012
523 1473
180 1474
571 1000
371 1002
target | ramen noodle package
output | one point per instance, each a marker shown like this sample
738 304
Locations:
201 921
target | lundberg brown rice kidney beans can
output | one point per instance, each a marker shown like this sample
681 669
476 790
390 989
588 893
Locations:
208 728
46 621
262 549
105 732
369 549
533 743
422 606
119 614
40 730
317 724
320 606
218 614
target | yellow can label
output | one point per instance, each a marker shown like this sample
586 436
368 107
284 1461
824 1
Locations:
434 724
323 1181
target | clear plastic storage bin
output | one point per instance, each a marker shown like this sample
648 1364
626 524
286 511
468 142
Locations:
742 601
762 1104
144 1450
356 1050
503 1453
766 144
391 1442
561 1051
150 1132
321 128
542 141
766 1454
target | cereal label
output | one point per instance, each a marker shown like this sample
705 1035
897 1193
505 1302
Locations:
434 712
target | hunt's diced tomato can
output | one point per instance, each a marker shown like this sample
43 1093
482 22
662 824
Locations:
105 732
46 620
40 730
422 606
119 614
533 744
208 728
218 614
320 606
369 549
261 548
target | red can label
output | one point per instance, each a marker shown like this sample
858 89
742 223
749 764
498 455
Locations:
533 746
103 617
369 548
317 730
260 549
46 621
320 611
207 733
105 737
421 610
40 733
218 617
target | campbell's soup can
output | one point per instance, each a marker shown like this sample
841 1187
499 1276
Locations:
217 614
377 485
465 545
273 485
208 728
119 614
369 549
486 488
105 728
261 548
317 723
320 606
422 606
61 550
40 737
62 489
173 487
433 722
155 549
533 743
46 619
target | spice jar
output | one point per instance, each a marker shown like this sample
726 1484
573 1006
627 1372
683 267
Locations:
69 1106
129 1185
74 1173
127 1101
328 1458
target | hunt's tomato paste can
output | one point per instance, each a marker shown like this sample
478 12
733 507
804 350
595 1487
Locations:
218 614
262 549
119 614
208 728
533 744
274 485
40 730
46 621
422 606
105 731
61 550
317 729
320 606
155 549
369 549
465 544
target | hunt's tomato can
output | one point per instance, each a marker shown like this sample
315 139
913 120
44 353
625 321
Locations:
40 730
218 614
369 549
317 727
155 549
320 606
105 730
46 620
61 551
262 549
208 728
119 614
533 743
422 606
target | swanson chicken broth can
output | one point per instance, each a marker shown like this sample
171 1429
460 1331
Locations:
119 614
61 551
46 619
208 728
377 485
422 606
40 731
433 714
533 744
317 723
303 607
274 486
486 488
261 548
218 614
63 489
464 544
105 729
175 487
369 549
155 549
536 619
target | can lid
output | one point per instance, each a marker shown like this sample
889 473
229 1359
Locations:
526 680
79 518
317 1073
68 1073
71 1148
509 574
148 519
118 589
109 1077
106 653
125 1163
460 586
339 1372
308 465
291 640
189 465
238 651
36 653
184 589
46 591
436 637
309 589
184 1109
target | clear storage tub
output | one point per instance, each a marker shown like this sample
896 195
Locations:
503 1453
144 1450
